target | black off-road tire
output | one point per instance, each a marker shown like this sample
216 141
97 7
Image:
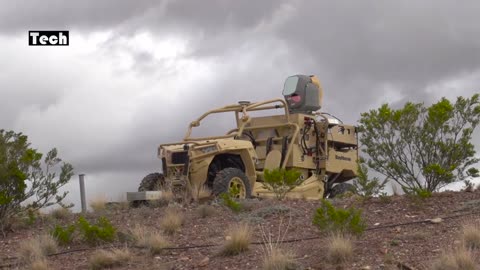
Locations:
221 183
340 189
152 182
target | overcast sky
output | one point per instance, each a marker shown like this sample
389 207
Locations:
136 72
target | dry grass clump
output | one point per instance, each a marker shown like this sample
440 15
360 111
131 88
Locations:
152 240
460 259
274 257
121 203
30 250
48 244
340 248
157 243
471 236
166 198
98 204
37 248
61 213
201 192
205 210
171 221
278 259
39 264
167 195
238 240
108 259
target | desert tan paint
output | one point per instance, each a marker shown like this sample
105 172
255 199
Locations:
336 159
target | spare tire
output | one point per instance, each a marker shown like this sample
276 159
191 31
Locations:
152 182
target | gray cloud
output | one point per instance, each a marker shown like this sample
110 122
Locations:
108 102
23 15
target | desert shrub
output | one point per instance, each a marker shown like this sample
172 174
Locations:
281 181
231 203
27 183
460 259
108 259
471 236
103 230
366 187
237 240
64 235
331 219
171 221
32 216
418 193
423 193
205 211
339 248
422 147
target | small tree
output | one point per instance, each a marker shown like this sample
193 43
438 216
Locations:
364 186
23 177
422 147
281 181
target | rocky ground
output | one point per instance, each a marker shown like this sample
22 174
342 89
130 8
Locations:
402 233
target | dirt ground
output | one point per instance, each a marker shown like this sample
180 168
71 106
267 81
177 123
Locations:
399 235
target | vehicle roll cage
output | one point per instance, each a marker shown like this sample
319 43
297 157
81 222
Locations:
241 115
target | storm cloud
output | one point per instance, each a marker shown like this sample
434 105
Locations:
137 72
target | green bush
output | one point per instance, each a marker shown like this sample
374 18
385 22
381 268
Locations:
103 230
63 235
418 193
331 219
29 180
365 186
281 181
423 193
421 146
229 202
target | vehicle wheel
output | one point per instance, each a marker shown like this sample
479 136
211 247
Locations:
340 189
233 181
151 182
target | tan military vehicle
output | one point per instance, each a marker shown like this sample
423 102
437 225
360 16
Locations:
300 137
